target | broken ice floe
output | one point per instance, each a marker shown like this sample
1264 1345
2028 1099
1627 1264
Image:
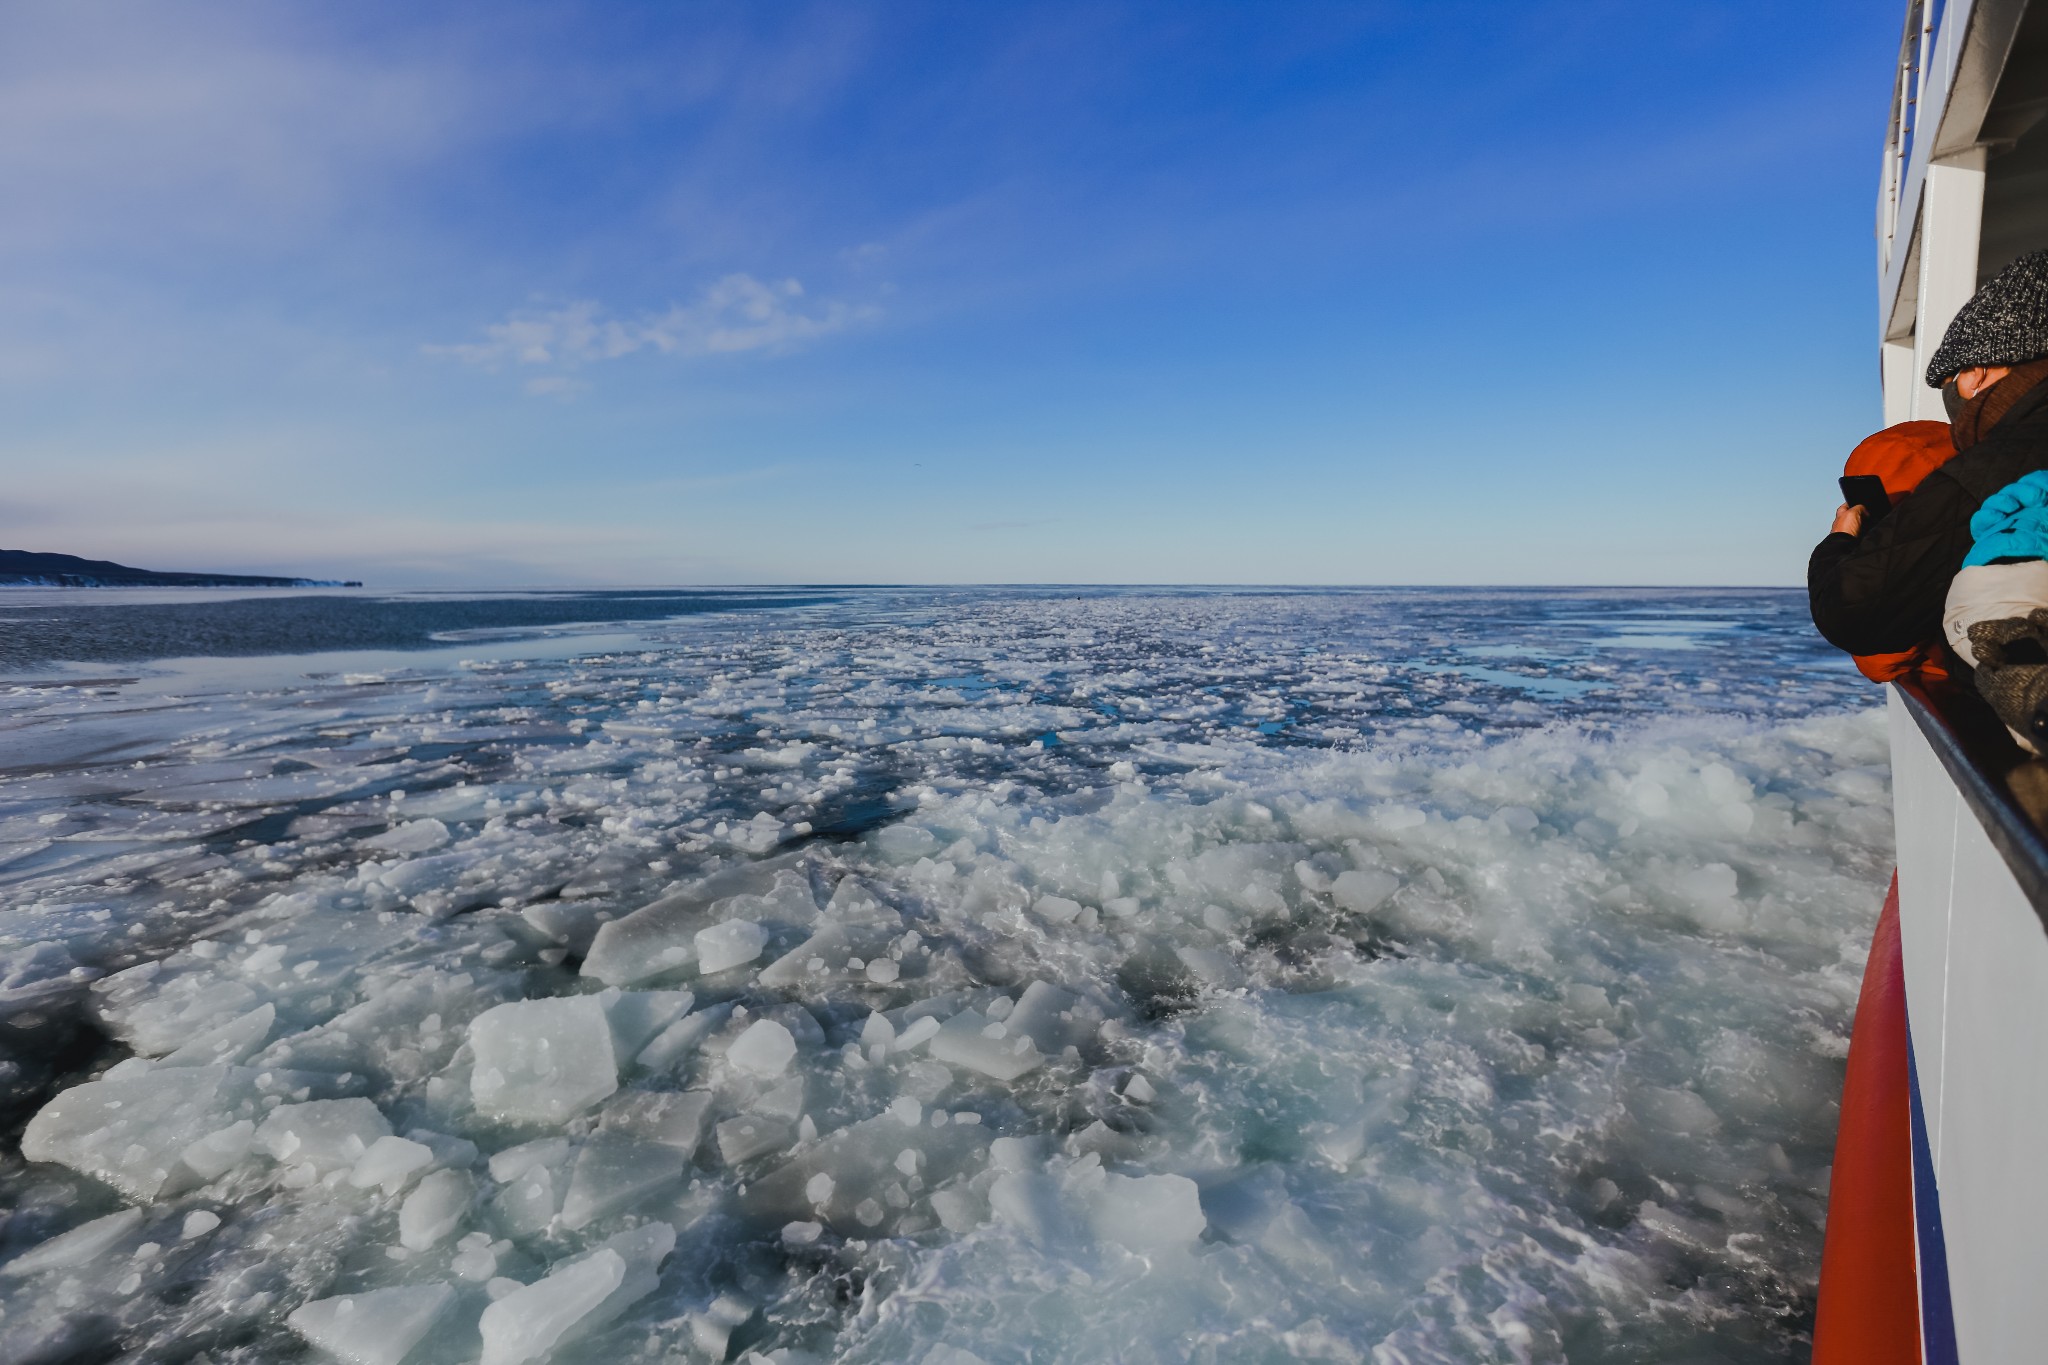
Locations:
1153 1032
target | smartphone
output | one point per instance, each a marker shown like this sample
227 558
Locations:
1866 491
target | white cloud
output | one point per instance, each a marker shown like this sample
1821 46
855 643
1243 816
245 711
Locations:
223 123
734 314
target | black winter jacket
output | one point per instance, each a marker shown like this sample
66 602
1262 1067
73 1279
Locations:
1883 591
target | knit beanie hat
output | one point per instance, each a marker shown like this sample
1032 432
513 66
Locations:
2004 323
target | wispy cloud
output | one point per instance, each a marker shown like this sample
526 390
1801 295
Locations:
736 313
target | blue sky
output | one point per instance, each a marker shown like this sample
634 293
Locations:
1096 292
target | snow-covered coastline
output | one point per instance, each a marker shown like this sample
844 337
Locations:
1142 977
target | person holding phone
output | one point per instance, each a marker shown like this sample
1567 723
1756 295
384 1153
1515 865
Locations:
1880 471
1878 584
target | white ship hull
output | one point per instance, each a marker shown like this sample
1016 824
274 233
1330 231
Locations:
1938 1222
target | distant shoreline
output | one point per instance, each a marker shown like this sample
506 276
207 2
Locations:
36 569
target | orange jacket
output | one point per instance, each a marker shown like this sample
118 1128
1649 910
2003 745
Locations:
1902 456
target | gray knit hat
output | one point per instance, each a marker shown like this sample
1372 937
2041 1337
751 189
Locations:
2004 323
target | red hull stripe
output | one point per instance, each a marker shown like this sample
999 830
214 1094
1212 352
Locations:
1869 1307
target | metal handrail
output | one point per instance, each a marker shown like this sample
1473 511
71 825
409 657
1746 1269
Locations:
1977 757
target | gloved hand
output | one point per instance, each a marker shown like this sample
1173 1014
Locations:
2012 523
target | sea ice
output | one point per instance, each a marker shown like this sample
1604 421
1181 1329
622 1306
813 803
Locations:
542 1060
613 1171
670 1118
972 1040
376 1327
636 1017
133 1133
766 1048
436 1207
325 1134
390 1164
1311 995
228 1043
728 945
581 1294
80 1246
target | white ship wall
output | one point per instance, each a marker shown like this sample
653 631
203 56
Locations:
1976 964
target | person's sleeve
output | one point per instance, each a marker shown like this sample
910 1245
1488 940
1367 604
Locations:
1883 592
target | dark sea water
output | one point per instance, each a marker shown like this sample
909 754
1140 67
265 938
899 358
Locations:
1404 975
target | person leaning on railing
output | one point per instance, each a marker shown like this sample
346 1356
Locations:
1900 457
1997 615
1881 588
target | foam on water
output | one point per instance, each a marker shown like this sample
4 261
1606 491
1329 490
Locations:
1177 976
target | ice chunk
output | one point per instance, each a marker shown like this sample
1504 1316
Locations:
414 836
751 1135
513 1162
232 1042
157 1008
542 1060
528 1203
535 1175
1052 1018
475 1259
577 1297
439 886
220 1151
1057 909
672 1119
1362 892
959 1209
681 1038
1030 1202
971 1040
1676 1111
435 1209
81 1246
877 1031
783 1101
377 1327
728 945
40 974
390 1164
132 1133
823 952
757 835
448 1151
765 1049
573 924
916 1033
198 1223
637 1016
828 1181
325 1134
1148 1212
712 1329
1016 1153
654 939
612 1171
